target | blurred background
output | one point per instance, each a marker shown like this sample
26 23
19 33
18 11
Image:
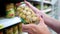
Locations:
50 7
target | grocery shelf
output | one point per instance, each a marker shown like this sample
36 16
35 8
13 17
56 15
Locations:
6 22
35 0
47 10
52 2
48 2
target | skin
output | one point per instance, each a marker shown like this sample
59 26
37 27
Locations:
40 28
47 20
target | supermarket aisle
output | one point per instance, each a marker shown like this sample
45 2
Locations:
45 6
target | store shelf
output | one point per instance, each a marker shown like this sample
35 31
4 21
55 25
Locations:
35 0
48 2
9 22
47 10
52 2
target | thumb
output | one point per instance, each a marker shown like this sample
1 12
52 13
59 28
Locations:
41 21
28 4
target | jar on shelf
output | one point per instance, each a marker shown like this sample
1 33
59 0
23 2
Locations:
1 32
20 28
9 31
15 29
10 11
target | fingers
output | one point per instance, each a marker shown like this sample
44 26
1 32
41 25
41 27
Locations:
41 18
30 28
27 3
32 7
41 21
26 27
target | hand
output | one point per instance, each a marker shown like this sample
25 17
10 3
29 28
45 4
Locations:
37 11
41 28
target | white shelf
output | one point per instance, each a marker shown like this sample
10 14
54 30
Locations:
47 10
48 2
9 22
52 2
35 0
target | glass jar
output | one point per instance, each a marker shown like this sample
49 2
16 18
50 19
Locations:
10 11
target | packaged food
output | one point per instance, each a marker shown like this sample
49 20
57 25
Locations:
20 28
27 14
9 31
1 32
1 26
15 29
10 11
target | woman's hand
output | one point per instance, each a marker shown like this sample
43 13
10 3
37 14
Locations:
51 22
37 11
41 28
